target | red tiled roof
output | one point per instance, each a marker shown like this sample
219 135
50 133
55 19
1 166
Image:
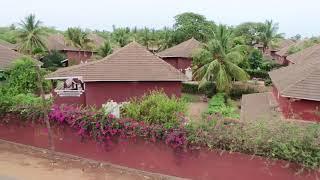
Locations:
310 53
300 81
57 42
130 63
184 49
7 56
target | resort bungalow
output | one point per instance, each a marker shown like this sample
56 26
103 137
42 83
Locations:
74 55
282 44
282 54
271 53
8 56
129 72
295 94
180 56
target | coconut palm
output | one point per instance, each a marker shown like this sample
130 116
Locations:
78 38
218 61
105 49
269 35
121 36
31 35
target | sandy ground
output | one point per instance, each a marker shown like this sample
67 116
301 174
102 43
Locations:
195 110
17 163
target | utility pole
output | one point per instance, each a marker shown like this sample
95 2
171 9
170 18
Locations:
45 110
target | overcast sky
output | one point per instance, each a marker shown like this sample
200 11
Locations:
294 16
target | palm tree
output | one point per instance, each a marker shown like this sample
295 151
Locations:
218 61
105 50
269 35
31 35
78 38
121 36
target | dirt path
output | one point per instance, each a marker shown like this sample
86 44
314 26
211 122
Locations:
195 110
17 163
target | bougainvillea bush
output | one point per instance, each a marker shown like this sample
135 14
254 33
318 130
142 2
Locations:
276 139
272 139
95 123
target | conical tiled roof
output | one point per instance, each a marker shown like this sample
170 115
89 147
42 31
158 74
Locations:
184 49
130 63
8 56
301 81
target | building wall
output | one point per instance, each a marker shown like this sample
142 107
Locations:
58 100
298 109
157 157
98 93
75 57
179 63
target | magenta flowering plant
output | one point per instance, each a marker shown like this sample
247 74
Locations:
94 123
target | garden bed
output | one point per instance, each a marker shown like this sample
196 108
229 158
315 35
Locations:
155 156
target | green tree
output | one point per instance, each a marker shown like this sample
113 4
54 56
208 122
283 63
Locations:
31 34
250 31
78 38
255 59
269 35
105 50
52 61
188 25
121 36
219 61
22 77
9 35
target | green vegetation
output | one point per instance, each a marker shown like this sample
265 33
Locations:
276 139
78 38
105 49
52 60
269 36
219 60
236 91
306 44
208 89
25 106
22 78
188 25
221 104
31 34
8 34
156 108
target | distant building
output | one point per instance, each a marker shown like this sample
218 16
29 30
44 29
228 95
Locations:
295 94
129 72
282 54
74 55
180 56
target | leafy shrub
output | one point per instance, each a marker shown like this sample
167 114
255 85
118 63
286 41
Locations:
52 61
190 88
95 123
23 78
209 89
156 108
299 143
236 92
220 104
256 73
26 106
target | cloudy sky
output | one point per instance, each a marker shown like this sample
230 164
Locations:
294 16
